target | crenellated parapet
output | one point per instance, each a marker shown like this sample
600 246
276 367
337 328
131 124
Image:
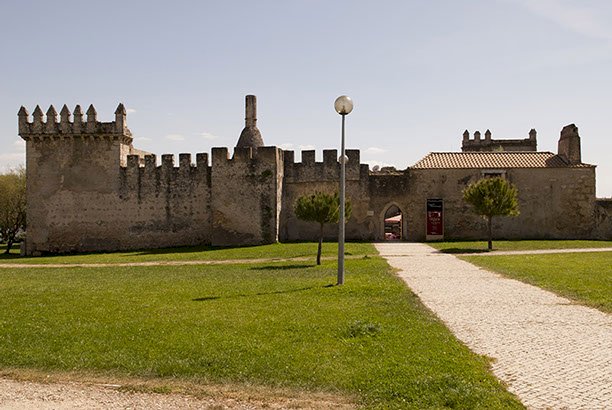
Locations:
329 170
244 156
49 126
146 177
488 144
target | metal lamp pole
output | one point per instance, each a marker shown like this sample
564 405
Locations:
343 106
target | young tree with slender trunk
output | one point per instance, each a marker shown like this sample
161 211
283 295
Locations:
322 208
12 206
492 197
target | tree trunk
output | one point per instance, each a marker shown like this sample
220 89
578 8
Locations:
490 226
9 245
320 245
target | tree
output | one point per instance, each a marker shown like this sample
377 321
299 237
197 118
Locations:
322 208
12 205
492 197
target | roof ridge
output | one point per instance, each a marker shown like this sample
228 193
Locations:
488 159
491 152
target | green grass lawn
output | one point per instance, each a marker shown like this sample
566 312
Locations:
191 253
481 246
583 277
275 324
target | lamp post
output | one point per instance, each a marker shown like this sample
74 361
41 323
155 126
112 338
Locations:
343 106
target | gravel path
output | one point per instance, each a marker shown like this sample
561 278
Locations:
536 251
25 395
550 352
11 265
19 395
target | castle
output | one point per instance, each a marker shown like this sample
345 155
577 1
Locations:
89 189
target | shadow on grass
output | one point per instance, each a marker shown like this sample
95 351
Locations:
181 249
14 253
463 250
190 249
246 295
10 256
282 267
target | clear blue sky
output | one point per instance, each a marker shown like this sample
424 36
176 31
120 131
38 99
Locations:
419 72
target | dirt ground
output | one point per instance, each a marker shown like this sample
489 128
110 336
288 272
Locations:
66 393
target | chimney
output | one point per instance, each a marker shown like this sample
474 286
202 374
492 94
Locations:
569 145
250 137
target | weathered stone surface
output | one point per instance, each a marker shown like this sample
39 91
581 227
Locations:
489 144
89 189
250 137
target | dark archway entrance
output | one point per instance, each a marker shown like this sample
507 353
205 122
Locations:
394 224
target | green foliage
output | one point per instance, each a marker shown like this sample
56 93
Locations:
583 277
12 205
362 328
492 197
520 245
321 207
273 324
198 253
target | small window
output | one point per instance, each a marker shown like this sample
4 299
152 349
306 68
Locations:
493 173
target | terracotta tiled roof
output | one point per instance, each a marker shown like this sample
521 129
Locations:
493 160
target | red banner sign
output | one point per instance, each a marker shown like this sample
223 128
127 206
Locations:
435 217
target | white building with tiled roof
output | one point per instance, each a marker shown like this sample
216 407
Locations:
556 191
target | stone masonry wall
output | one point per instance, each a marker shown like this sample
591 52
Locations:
245 193
555 203
307 177
603 219
71 193
89 189
164 205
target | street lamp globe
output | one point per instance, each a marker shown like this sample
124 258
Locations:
343 105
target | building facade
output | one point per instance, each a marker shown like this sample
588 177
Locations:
89 189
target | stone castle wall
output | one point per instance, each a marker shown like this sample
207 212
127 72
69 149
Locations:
89 189
245 195
489 144
162 205
307 177
555 203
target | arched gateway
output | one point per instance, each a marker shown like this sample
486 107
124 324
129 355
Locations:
393 223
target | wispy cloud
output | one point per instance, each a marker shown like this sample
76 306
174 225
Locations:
175 137
11 160
142 139
306 147
130 110
19 145
577 16
286 146
375 150
208 136
373 163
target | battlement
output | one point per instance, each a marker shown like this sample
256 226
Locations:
489 144
146 177
244 155
48 127
167 161
328 170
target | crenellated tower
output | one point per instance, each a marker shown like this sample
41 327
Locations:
488 144
67 161
50 128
